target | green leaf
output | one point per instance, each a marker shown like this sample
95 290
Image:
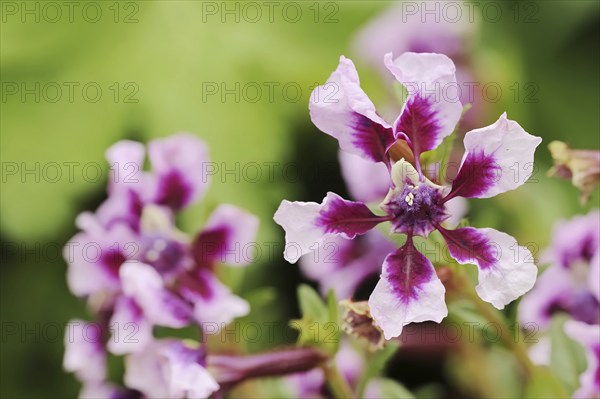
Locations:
391 389
544 384
567 358
319 325
311 304
334 317
376 365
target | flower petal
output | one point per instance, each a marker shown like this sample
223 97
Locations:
594 276
588 335
178 162
552 286
409 291
366 181
457 208
433 107
130 331
506 270
145 285
498 158
228 237
126 161
341 264
539 353
575 240
341 109
307 224
144 372
186 375
93 257
84 354
213 302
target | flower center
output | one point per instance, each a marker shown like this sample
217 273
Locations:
416 209
162 253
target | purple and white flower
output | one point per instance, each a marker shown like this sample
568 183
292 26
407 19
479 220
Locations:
571 283
409 289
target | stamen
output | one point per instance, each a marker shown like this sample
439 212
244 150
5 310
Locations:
159 245
410 199
152 255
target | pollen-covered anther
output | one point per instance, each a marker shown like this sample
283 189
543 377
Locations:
409 199
152 255
159 245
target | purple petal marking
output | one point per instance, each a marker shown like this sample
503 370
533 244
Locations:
468 244
209 246
173 190
408 270
477 174
197 282
581 305
112 259
419 123
373 139
348 218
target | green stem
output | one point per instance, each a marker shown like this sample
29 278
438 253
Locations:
336 382
494 316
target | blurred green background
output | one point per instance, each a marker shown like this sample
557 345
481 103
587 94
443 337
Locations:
154 60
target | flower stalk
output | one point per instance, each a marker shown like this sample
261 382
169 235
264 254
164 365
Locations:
336 382
230 370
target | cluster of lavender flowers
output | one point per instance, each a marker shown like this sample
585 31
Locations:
137 271
571 285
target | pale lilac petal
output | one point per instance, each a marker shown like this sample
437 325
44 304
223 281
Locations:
307 385
95 256
212 301
398 30
588 335
576 239
100 390
178 162
341 109
130 331
433 107
498 158
126 161
228 237
307 224
594 276
349 362
169 369
552 286
457 208
188 378
539 353
84 354
123 206
342 265
145 285
366 181
409 291
144 372
506 270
